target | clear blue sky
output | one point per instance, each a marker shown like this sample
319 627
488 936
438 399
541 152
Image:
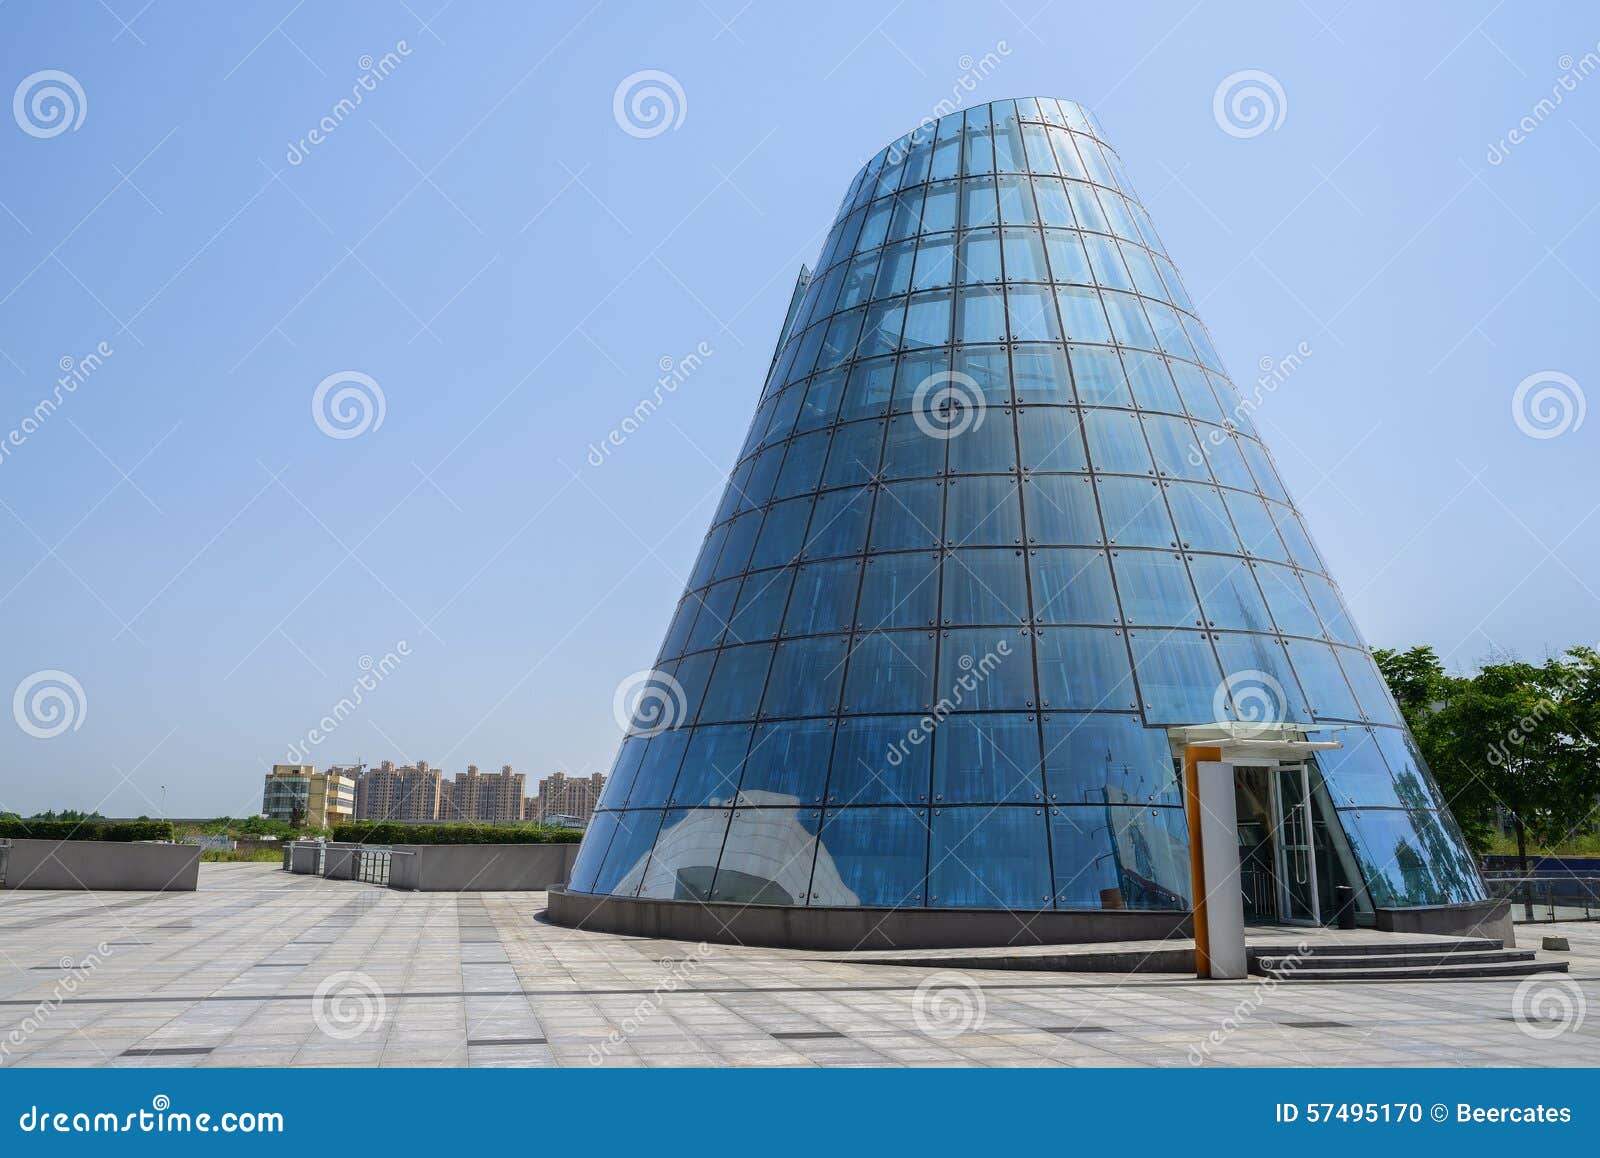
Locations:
482 239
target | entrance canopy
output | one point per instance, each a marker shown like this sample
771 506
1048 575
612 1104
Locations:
1240 742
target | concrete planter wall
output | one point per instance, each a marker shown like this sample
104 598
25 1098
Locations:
101 864
489 868
1482 919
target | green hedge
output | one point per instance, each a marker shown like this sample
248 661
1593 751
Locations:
387 832
122 830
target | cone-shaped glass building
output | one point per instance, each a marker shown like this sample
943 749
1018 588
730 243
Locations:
1002 523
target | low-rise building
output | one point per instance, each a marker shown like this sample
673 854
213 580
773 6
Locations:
300 795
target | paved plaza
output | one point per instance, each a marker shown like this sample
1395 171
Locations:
261 968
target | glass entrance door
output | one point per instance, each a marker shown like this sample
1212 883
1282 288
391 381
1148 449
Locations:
1295 850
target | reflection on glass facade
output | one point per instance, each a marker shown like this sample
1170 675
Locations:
1000 520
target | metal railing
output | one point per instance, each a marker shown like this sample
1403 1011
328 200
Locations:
372 865
1537 899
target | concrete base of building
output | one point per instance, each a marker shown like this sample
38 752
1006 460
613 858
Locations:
784 927
1490 919
100 865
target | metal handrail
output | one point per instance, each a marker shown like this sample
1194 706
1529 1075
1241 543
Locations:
1547 898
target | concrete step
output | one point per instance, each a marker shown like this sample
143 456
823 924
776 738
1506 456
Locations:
1381 948
1456 972
1292 964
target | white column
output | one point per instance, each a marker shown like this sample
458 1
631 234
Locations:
1219 842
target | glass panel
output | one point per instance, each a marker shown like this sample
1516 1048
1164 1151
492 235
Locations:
1411 858
1032 313
1178 676
684 860
1372 693
659 769
1201 518
788 763
1255 526
1016 202
802 468
1261 684
1041 374
717 606
1127 320
1082 319
1116 443
1052 438
890 671
990 369
592 853
760 607
853 457
981 315
1300 547
824 598
822 400
1097 375
986 759
1135 514
867 395
985 669
1120 858
908 515
768 855
1155 589
978 204
881 332
980 440
983 512
1413 784
1072 586
1025 256
939 210
927 320
1061 510
871 856
980 256
1331 610
1107 759
1197 397
1261 467
989 858
1323 681
839 523
735 687
711 766
935 263
1067 260
623 770
1287 599
880 760
1084 669
894 273
806 674
1228 593
984 586
1176 448
625 859
899 591
782 534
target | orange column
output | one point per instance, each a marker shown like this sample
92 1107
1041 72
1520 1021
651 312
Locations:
1192 756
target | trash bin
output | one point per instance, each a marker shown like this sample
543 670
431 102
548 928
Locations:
1344 906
